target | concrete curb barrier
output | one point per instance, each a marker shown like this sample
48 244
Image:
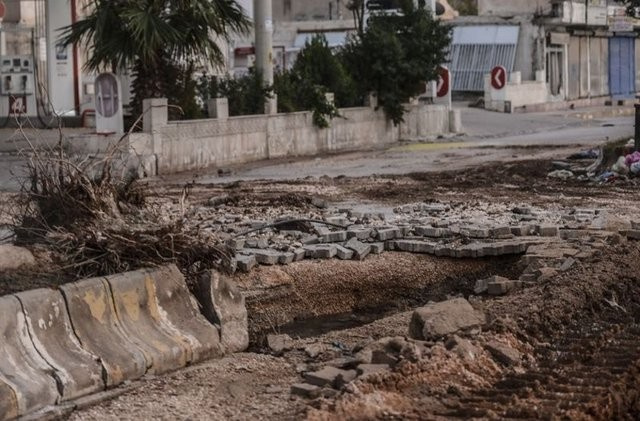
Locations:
8 401
137 309
96 325
59 347
23 369
180 313
77 371
224 305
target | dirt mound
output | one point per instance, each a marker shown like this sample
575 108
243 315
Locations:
587 291
580 339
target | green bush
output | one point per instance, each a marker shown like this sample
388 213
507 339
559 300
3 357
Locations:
316 72
395 55
246 94
168 79
317 65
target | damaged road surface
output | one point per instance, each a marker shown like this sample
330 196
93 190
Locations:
493 293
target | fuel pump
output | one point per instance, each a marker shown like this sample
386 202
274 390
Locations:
17 86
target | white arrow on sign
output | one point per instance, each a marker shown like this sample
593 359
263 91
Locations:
440 83
498 77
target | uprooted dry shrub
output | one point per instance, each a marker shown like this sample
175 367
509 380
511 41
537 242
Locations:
93 216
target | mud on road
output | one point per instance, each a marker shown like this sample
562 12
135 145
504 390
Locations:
576 333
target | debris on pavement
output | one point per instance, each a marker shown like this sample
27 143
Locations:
586 154
561 174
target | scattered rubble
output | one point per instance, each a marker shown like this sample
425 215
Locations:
557 245
12 257
279 343
504 353
437 320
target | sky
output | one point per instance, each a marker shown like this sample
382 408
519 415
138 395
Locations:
248 6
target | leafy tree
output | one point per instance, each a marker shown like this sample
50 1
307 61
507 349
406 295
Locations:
633 7
297 94
316 72
170 80
155 37
317 65
396 54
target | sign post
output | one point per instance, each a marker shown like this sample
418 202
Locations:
498 77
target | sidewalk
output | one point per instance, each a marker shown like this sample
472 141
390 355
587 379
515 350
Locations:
12 140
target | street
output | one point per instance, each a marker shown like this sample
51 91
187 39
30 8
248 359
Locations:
490 137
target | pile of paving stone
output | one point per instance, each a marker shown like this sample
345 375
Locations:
327 378
547 260
262 236
437 229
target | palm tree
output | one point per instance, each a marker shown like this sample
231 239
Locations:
163 41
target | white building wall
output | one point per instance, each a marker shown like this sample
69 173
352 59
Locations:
508 8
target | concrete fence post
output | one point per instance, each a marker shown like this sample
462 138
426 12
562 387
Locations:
455 121
271 105
371 101
218 108
156 116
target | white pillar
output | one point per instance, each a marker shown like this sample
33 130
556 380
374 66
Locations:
263 23
59 61
3 40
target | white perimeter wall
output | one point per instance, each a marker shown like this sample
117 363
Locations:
189 145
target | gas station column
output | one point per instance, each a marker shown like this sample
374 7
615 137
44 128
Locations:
61 61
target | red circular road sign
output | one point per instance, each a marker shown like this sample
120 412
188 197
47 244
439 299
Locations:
498 77
444 82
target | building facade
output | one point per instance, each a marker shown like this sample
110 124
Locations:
581 49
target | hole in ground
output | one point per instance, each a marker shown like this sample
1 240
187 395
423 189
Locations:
352 294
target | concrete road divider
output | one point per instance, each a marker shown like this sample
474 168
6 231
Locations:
59 346
136 304
179 312
96 325
224 305
8 401
77 371
25 372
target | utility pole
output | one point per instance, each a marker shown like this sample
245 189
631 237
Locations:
431 5
263 23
